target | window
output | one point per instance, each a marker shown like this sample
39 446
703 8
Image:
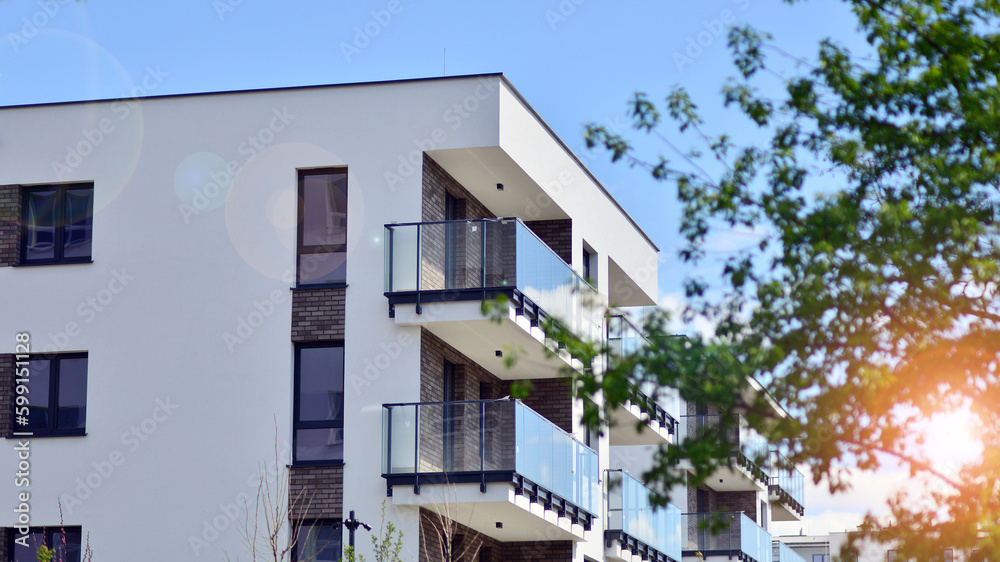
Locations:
890 556
821 558
322 251
57 224
587 271
319 403
66 541
949 555
56 394
319 541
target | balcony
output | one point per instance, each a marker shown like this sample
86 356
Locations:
787 490
635 528
496 466
781 553
630 426
751 469
735 536
439 273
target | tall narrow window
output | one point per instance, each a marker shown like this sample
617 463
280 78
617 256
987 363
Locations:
319 403
57 223
322 254
57 392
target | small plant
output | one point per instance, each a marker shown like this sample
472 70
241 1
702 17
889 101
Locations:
46 554
388 544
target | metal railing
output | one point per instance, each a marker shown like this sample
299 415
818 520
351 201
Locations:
476 258
729 533
631 513
625 338
781 553
787 482
475 437
751 447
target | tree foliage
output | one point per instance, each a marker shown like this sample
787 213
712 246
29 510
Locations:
870 302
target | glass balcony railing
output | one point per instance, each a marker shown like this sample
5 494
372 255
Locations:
726 534
458 440
631 513
751 447
781 553
624 338
787 482
476 259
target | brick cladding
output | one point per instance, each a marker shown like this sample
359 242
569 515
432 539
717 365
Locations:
10 224
468 545
550 398
6 393
436 183
557 234
318 314
317 492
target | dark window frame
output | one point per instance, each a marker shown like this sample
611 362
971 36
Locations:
325 424
53 400
49 532
301 249
306 523
59 232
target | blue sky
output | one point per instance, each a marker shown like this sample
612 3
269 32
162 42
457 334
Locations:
574 60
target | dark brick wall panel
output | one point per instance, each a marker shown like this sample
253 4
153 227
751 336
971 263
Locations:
436 183
317 492
552 399
467 545
6 393
738 501
549 551
317 314
557 234
10 224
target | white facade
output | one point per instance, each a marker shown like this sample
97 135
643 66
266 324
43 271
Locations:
185 312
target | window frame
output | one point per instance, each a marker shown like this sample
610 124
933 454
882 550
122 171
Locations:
48 538
53 399
59 232
301 249
296 406
337 524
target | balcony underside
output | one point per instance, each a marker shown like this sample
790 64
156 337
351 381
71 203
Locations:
735 478
620 546
624 429
783 507
510 509
709 555
457 318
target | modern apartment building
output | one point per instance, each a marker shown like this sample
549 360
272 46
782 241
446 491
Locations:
204 293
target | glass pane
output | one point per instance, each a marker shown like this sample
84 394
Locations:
69 551
38 386
402 253
320 542
402 447
324 210
323 268
22 554
40 222
72 390
79 223
325 444
321 383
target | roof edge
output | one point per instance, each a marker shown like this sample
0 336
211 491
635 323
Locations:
576 159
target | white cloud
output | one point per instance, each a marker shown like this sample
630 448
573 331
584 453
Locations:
674 304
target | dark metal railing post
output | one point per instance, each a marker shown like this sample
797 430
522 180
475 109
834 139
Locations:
417 308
